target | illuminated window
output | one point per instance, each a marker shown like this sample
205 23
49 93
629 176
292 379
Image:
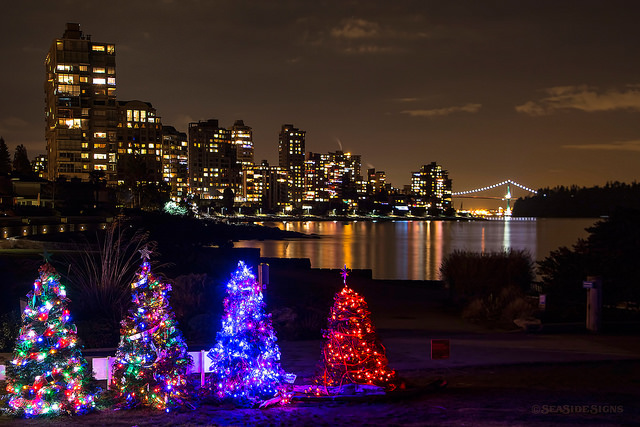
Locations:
97 145
151 119
151 146
73 90
99 81
83 68
129 115
63 67
143 115
111 81
100 167
100 135
71 123
98 156
111 49
84 155
65 78
99 70
97 48
136 115
84 79
85 145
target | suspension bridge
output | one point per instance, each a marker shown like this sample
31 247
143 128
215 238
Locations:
507 197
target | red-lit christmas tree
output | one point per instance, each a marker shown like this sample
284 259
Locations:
48 374
352 352
152 361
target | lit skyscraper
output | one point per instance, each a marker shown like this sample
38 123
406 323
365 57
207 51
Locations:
139 143
264 186
242 137
291 156
332 176
80 106
213 165
431 188
175 156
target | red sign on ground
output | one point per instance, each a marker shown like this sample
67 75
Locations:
440 349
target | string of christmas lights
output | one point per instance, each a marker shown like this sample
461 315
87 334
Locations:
352 352
152 361
245 360
48 374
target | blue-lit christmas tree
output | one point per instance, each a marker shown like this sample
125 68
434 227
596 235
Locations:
48 374
152 361
245 360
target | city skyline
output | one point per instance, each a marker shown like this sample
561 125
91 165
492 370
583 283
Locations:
542 93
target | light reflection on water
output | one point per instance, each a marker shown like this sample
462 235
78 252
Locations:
414 250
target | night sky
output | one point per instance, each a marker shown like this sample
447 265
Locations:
542 92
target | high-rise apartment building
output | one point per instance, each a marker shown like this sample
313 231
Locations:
213 165
242 138
376 181
175 156
265 186
80 106
332 176
431 188
291 157
139 136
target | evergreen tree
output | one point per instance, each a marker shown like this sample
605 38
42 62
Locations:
5 158
21 163
352 352
152 362
245 360
48 374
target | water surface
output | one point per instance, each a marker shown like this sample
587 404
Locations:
414 250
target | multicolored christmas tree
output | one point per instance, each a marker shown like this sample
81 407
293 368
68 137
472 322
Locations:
152 361
352 352
48 374
245 360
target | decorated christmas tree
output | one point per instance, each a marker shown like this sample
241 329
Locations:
48 374
245 360
352 352
152 361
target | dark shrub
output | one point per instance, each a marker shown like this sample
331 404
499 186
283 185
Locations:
10 324
611 251
490 286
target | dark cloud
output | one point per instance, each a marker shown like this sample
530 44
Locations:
435 112
583 98
614 146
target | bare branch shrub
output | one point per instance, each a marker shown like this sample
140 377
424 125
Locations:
100 273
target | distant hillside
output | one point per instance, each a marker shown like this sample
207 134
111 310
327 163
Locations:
579 202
